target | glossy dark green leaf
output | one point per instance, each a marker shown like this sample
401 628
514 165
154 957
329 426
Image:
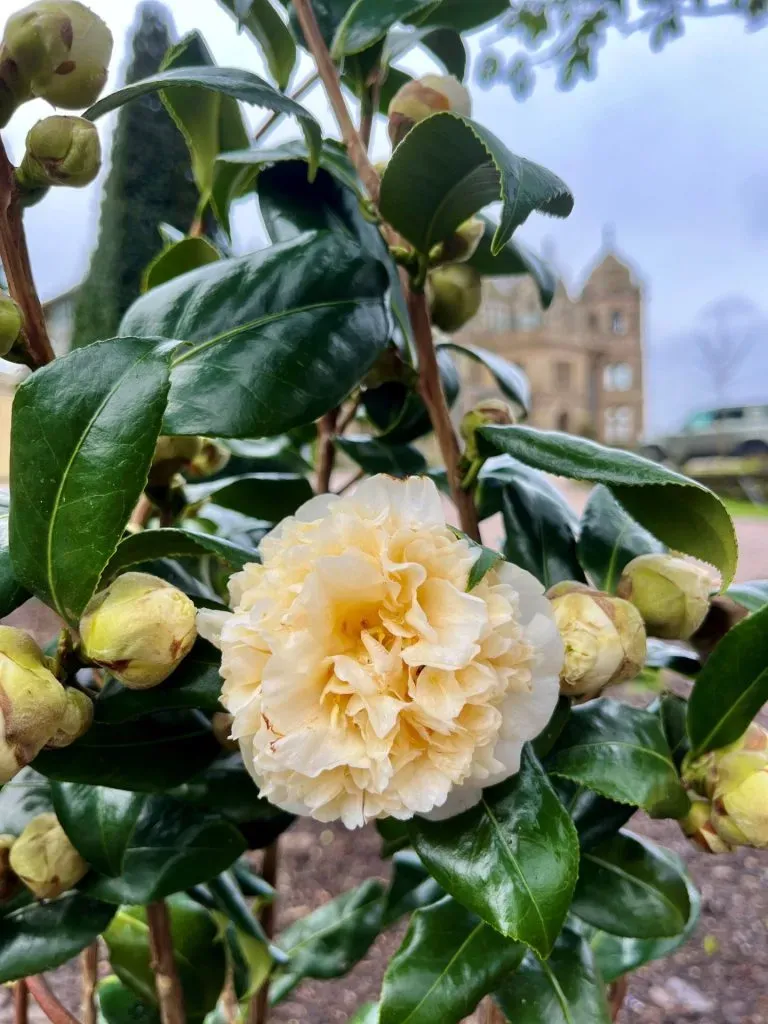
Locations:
226 788
179 258
448 167
368 1014
374 456
265 26
171 543
83 433
276 338
367 21
267 496
229 899
99 821
197 950
596 817
332 158
678 511
463 16
615 955
448 961
620 752
23 798
410 887
539 525
394 835
551 731
731 687
119 1005
233 82
444 44
565 989
486 560
399 412
42 936
12 594
753 595
332 939
514 258
609 538
511 382
196 683
512 859
150 755
673 712
625 887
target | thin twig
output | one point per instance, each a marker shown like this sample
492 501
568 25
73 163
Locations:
142 513
18 269
429 374
617 993
491 1012
326 450
258 1011
20 1002
434 398
90 977
47 1001
348 416
167 984
304 86
330 79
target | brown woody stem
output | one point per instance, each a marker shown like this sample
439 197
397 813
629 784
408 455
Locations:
167 985
18 270
429 373
20 1002
47 1001
90 977
617 993
326 450
258 1011
304 86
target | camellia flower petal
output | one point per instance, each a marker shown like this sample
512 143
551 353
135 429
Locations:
363 679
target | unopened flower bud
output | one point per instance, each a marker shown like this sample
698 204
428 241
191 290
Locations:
140 628
699 829
455 292
173 454
738 781
419 98
671 593
61 50
461 245
9 883
32 701
45 860
211 459
61 150
604 638
490 412
221 723
11 323
76 721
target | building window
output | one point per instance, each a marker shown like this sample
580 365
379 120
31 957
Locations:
617 377
618 323
619 424
594 323
562 376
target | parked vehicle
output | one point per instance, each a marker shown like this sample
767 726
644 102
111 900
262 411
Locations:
738 430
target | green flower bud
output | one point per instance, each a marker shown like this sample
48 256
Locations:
32 701
11 323
61 51
417 99
61 150
173 454
462 244
604 638
76 721
9 883
455 292
45 860
699 829
489 412
212 458
671 593
139 628
736 778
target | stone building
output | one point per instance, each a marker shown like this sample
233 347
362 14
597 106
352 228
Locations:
583 356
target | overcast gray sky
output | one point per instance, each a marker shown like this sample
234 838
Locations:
670 148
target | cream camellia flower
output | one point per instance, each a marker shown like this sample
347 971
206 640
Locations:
364 680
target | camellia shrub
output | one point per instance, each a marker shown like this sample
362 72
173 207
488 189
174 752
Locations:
251 630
